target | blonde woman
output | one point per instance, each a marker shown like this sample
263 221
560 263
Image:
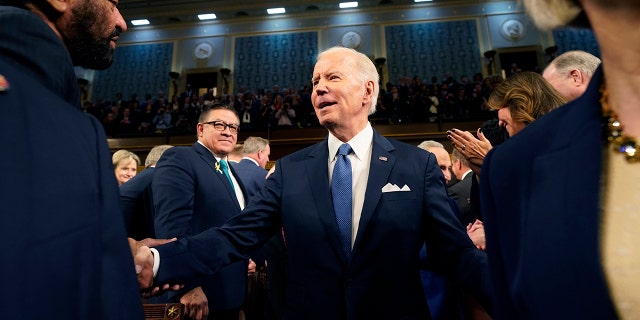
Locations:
125 165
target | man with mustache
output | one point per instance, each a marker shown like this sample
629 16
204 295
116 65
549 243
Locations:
65 254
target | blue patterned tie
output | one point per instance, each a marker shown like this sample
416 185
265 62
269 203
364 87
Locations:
341 190
225 169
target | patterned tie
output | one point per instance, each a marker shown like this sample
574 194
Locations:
341 192
225 169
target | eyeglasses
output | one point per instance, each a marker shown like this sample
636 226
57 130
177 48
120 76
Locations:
222 126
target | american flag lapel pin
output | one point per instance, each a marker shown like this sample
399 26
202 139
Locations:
382 158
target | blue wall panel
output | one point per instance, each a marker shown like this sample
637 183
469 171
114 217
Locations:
433 49
284 59
139 69
576 39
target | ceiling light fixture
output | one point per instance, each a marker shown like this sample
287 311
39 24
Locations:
275 10
207 16
345 5
140 22
422 0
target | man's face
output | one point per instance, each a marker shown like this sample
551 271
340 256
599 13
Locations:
564 83
444 161
338 96
90 31
505 120
219 142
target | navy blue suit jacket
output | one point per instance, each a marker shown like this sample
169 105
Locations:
382 280
540 199
65 254
253 177
137 203
191 196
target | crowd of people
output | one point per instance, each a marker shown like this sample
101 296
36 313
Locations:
350 214
408 100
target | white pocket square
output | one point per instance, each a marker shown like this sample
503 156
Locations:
394 188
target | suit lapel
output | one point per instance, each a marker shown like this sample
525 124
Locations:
382 162
210 161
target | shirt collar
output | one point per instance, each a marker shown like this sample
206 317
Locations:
250 159
360 144
466 173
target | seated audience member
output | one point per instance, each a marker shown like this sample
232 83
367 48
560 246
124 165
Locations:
137 198
125 165
571 72
162 120
520 99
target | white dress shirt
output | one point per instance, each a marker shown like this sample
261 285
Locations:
360 159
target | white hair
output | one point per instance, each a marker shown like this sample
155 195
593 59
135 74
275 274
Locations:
364 67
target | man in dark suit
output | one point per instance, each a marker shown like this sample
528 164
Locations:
65 254
192 193
461 191
137 198
398 203
251 169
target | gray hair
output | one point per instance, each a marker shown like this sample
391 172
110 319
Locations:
254 144
425 145
364 67
456 155
576 59
155 154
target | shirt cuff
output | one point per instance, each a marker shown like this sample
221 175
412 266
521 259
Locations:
156 261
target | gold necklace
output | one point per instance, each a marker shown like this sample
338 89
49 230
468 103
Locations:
613 130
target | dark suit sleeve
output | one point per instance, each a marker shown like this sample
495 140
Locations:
173 194
205 253
447 241
500 287
129 196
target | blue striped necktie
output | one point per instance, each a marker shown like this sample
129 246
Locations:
341 191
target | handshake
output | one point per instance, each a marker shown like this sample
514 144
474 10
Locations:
143 260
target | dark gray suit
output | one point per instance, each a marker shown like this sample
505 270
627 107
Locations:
460 192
